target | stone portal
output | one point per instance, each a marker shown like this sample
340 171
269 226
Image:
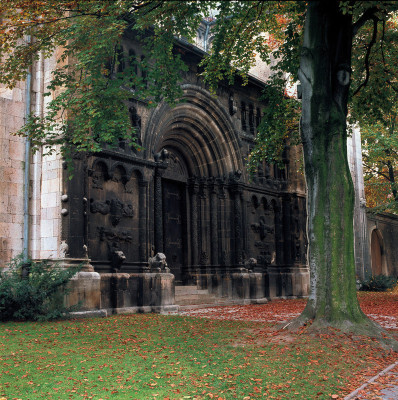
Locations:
188 194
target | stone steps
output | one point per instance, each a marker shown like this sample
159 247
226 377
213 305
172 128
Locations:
190 295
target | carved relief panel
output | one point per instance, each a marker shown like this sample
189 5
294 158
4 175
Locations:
112 215
261 235
298 231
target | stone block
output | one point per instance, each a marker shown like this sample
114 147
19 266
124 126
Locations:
287 284
273 281
121 295
216 285
17 95
49 244
47 228
163 290
139 292
17 151
15 230
226 290
106 290
132 290
85 290
240 285
114 291
257 285
301 283
49 200
145 290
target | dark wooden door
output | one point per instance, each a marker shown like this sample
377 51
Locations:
377 268
174 226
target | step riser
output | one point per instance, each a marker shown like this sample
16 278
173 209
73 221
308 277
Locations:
190 295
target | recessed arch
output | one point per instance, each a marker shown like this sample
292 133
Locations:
379 264
200 128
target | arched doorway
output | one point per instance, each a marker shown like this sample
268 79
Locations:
197 188
175 219
377 252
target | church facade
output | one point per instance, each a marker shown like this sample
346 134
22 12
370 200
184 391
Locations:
186 193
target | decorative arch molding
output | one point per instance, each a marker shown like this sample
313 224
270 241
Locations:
109 167
200 128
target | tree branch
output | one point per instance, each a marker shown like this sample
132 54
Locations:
377 172
366 16
372 42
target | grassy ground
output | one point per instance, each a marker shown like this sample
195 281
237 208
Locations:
148 356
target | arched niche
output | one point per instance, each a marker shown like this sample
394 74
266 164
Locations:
379 265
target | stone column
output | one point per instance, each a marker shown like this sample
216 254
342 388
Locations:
287 248
238 229
278 233
158 211
213 221
193 191
222 244
203 223
143 234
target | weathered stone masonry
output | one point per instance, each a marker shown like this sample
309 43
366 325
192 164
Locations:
187 194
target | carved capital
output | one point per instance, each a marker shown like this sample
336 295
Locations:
143 183
202 187
193 185
221 187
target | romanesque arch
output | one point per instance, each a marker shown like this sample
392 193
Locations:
200 128
193 209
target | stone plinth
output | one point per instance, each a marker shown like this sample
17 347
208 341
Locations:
138 292
84 286
289 282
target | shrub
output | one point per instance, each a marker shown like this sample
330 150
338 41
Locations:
33 290
379 283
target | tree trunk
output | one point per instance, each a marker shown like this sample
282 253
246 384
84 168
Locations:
391 175
325 69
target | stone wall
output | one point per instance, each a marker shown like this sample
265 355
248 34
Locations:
382 232
45 171
375 235
188 186
12 153
45 177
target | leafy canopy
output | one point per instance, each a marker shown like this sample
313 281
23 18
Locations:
91 82
375 108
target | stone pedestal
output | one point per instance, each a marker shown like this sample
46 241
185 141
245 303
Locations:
139 292
240 285
257 288
288 282
163 292
85 290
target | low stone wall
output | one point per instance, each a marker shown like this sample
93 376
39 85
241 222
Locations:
122 292
116 293
257 287
145 292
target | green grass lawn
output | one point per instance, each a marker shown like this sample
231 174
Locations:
147 356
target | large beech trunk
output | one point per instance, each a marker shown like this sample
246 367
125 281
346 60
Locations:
325 69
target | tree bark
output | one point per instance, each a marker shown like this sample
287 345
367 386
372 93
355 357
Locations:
391 175
325 68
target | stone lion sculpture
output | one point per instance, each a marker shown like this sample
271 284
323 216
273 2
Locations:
158 263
